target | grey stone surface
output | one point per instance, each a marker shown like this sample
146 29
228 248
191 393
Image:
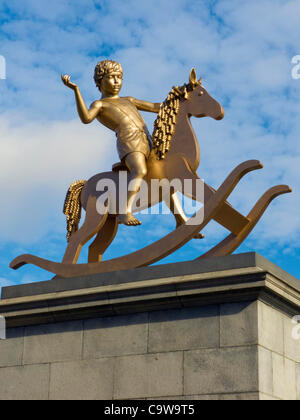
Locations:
115 336
226 370
251 396
265 371
11 349
291 344
127 292
82 380
266 397
137 274
149 376
270 328
284 378
217 335
53 342
238 324
206 265
24 382
184 329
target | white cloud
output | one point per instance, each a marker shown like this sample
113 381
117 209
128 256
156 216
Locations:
5 282
38 163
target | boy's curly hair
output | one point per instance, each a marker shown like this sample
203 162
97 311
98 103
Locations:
105 67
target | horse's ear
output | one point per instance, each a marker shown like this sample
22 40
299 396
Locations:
193 77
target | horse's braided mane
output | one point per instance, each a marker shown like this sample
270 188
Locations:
164 125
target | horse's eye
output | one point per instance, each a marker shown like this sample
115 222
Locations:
201 93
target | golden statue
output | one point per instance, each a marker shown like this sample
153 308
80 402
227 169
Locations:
121 115
174 155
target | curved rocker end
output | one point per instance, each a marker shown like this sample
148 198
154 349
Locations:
18 262
284 189
261 165
254 164
257 164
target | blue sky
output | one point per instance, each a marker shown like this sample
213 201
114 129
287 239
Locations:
243 51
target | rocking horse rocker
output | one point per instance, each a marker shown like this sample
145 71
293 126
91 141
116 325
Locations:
175 155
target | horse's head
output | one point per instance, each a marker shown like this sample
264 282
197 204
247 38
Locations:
188 100
199 103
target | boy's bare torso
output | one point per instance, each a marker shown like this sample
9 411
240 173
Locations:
122 116
120 113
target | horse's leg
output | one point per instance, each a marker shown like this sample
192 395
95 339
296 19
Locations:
176 208
104 238
227 216
178 169
92 224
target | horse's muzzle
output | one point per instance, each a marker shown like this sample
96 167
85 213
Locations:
221 115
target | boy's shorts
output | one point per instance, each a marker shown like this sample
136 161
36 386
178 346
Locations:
138 141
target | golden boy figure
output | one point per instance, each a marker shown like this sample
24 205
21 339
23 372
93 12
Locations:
121 115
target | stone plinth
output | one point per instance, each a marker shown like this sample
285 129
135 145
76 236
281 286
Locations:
220 328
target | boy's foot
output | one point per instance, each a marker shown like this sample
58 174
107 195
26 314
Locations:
128 220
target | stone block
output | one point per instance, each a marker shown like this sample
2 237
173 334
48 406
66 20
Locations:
53 342
238 324
222 332
265 370
250 396
11 349
266 397
284 378
291 344
244 396
115 336
24 382
149 376
270 328
226 370
182 329
82 380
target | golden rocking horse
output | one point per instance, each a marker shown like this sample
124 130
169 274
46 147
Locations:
175 155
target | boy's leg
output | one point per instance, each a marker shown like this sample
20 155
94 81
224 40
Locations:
137 165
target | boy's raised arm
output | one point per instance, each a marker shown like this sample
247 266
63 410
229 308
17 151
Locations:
146 106
86 115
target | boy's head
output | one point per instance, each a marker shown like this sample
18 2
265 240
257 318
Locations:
106 68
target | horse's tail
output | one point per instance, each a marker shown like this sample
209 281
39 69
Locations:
72 207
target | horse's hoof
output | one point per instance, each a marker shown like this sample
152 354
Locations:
199 236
